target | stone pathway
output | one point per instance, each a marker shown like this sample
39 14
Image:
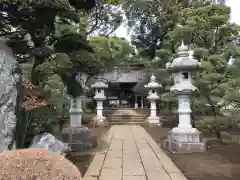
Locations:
132 155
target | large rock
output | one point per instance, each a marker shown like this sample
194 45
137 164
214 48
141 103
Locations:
10 79
36 163
79 138
49 142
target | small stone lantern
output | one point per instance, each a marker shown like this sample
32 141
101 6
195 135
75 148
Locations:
152 97
184 138
99 97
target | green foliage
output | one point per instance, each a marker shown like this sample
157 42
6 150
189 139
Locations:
56 64
217 124
56 95
34 122
105 18
150 21
52 34
34 24
108 51
111 50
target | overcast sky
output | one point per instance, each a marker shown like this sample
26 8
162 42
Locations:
235 17
235 10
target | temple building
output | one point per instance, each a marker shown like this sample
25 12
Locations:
125 87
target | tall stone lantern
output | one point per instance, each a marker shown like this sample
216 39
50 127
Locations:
153 85
184 138
99 119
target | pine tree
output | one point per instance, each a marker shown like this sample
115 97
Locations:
207 29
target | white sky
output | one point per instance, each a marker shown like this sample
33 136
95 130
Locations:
235 10
235 17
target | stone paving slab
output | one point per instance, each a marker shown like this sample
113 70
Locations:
132 154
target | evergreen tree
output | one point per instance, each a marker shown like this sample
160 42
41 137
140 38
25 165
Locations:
111 50
207 29
36 30
28 27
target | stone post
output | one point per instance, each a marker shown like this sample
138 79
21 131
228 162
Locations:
142 103
99 107
184 138
184 111
99 119
75 112
152 97
135 103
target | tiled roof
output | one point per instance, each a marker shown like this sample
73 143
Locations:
130 76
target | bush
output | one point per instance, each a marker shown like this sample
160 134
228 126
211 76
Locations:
58 99
90 105
216 124
33 122
170 121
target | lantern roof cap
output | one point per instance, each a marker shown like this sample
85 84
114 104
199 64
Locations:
182 48
153 84
185 59
99 85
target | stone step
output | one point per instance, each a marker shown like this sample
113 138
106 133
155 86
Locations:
139 115
125 117
124 108
126 120
121 123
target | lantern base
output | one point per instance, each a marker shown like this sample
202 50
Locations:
99 121
153 121
185 140
79 138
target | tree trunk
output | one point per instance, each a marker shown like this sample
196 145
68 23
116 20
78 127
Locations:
193 116
170 106
39 56
35 76
219 137
193 120
21 121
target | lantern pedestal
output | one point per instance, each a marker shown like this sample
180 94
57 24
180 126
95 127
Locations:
186 140
75 112
153 119
79 139
99 119
99 122
76 135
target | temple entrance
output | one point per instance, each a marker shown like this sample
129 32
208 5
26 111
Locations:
120 95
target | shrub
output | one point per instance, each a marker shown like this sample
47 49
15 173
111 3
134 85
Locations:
216 124
33 122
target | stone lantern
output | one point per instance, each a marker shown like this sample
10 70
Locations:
75 111
184 138
152 97
99 97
